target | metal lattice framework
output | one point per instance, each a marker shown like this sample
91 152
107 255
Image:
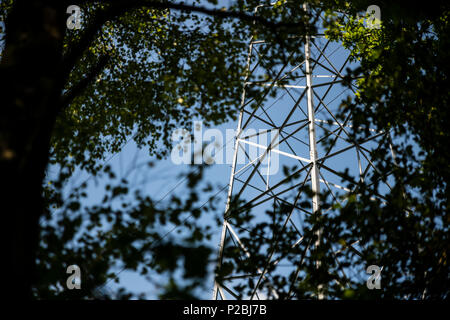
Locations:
301 115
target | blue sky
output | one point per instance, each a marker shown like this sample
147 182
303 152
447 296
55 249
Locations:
163 179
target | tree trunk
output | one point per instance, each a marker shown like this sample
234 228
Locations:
31 84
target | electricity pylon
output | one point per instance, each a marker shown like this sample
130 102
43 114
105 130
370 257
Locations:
300 116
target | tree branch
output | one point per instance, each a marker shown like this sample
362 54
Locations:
78 88
119 7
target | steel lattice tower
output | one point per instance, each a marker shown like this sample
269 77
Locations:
303 114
